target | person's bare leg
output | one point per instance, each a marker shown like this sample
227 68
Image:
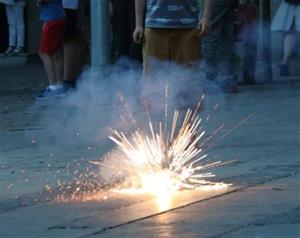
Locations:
69 60
49 68
81 53
74 58
58 66
288 47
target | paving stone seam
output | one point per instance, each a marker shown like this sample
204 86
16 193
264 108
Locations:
30 198
260 222
105 229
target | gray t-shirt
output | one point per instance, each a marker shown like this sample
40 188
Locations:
172 13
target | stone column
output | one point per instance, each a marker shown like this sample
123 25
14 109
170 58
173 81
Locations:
100 34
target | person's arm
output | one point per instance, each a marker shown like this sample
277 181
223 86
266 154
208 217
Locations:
138 34
111 9
205 23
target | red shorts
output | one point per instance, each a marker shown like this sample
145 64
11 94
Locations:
52 36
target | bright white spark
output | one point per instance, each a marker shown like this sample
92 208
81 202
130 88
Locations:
167 161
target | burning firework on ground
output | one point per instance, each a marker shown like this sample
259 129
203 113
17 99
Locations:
160 159
167 159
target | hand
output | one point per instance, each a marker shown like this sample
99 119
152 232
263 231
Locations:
204 26
111 9
39 2
138 35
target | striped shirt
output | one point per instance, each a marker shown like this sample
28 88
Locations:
172 13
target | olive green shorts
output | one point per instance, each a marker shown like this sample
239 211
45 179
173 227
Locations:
181 46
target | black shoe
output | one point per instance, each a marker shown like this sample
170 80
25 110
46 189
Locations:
69 85
284 70
9 50
49 93
229 87
18 51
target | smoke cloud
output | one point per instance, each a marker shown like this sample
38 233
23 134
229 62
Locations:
84 115
116 98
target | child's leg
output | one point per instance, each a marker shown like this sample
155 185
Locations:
19 21
71 58
11 25
74 57
288 47
49 68
58 66
51 50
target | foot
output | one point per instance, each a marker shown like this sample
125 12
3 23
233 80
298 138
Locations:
230 89
229 85
210 76
284 70
9 50
18 51
69 85
49 93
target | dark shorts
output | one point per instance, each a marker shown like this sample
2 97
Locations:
52 36
71 17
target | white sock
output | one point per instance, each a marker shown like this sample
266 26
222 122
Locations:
55 86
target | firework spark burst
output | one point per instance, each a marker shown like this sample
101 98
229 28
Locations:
168 159
159 159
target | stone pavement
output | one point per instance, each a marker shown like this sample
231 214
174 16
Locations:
43 142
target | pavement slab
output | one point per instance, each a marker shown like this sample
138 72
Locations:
261 138
241 214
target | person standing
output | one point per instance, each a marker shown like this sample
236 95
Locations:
287 21
218 46
74 47
170 30
51 45
16 28
123 24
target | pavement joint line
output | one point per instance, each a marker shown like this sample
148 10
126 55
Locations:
33 195
289 149
17 148
103 230
259 222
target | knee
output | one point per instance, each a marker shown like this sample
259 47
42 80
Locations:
11 24
44 56
57 55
